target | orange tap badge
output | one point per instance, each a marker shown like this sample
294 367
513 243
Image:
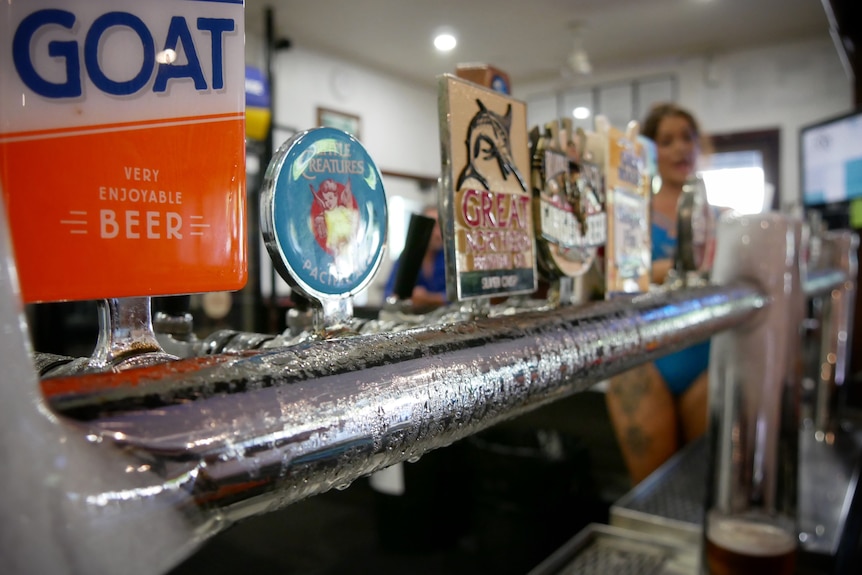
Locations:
122 154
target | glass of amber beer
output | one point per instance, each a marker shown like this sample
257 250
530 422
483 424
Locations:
754 381
737 545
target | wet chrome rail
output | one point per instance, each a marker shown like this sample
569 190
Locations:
268 428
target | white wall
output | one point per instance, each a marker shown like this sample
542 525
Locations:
399 120
780 86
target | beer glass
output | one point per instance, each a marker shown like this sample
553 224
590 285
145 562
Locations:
755 373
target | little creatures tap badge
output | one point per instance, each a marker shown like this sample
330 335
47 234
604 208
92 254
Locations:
486 213
323 214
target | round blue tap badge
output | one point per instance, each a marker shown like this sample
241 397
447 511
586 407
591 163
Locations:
323 213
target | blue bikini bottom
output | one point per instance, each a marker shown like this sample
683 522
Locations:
680 369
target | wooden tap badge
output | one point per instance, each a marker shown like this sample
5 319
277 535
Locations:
627 253
486 213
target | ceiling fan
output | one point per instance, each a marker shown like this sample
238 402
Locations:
578 60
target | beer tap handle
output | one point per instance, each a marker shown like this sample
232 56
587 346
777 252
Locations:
173 325
126 336
410 262
839 249
695 233
323 218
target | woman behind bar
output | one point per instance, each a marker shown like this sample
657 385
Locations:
430 289
659 407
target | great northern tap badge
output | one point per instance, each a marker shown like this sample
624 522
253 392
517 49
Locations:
486 214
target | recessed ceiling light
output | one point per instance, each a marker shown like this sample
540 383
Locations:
581 113
166 56
445 42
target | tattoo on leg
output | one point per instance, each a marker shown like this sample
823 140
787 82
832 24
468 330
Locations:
638 442
630 387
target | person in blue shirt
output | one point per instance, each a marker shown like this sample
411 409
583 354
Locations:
659 407
430 288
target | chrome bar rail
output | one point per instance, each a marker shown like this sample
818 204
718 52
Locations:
268 428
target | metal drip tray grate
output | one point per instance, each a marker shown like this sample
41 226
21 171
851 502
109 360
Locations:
615 557
603 549
670 501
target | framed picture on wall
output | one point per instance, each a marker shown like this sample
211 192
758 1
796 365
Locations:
339 120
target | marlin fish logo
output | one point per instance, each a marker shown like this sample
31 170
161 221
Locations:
488 145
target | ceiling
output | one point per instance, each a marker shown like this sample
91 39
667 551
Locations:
532 39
